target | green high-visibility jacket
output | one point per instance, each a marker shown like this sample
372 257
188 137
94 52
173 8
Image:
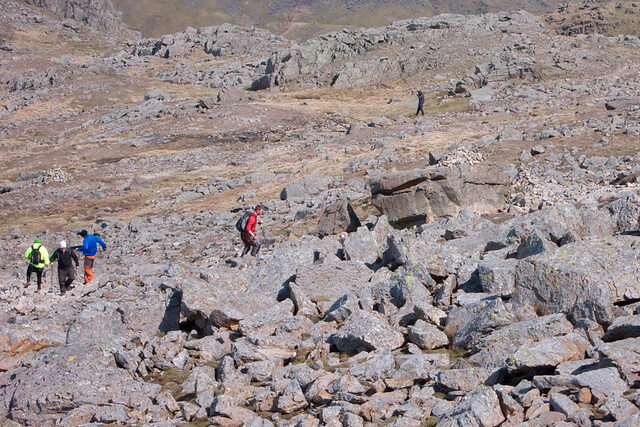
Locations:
44 254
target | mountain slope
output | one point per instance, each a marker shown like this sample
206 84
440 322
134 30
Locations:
300 19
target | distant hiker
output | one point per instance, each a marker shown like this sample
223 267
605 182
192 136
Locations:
66 273
248 231
89 249
420 103
38 259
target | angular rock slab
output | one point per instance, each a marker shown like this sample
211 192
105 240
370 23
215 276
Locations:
623 328
496 347
481 407
436 192
548 353
362 246
496 277
427 337
366 331
337 218
625 356
606 381
494 315
581 279
466 379
419 366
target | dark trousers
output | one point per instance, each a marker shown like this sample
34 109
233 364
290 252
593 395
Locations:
420 110
250 245
66 276
38 272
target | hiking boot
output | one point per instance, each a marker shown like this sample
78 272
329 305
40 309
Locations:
233 262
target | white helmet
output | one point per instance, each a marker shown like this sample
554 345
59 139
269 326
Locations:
63 244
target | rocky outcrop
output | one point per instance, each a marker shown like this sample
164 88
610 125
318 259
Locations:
97 14
50 78
84 374
379 70
430 194
318 55
225 40
502 70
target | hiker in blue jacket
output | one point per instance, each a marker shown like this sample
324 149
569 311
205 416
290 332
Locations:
420 103
89 249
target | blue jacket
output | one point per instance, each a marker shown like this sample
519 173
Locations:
90 245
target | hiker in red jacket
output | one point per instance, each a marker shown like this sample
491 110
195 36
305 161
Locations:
249 237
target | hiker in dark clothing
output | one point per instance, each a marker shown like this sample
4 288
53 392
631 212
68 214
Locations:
89 249
38 259
420 103
249 237
66 272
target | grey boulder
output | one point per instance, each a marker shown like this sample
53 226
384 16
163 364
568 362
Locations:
337 218
582 279
427 337
548 353
495 348
480 408
304 187
366 331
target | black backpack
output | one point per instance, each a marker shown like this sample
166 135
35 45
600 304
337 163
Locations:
36 257
241 225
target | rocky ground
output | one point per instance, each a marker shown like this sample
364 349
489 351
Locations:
475 266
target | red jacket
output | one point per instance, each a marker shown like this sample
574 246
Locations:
251 224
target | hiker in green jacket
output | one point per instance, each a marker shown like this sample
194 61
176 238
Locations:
38 257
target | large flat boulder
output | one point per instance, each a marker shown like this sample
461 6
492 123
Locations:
305 187
17 341
581 279
548 353
606 381
466 379
222 296
432 193
332 279
57 380
622 328
366 331
494 349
